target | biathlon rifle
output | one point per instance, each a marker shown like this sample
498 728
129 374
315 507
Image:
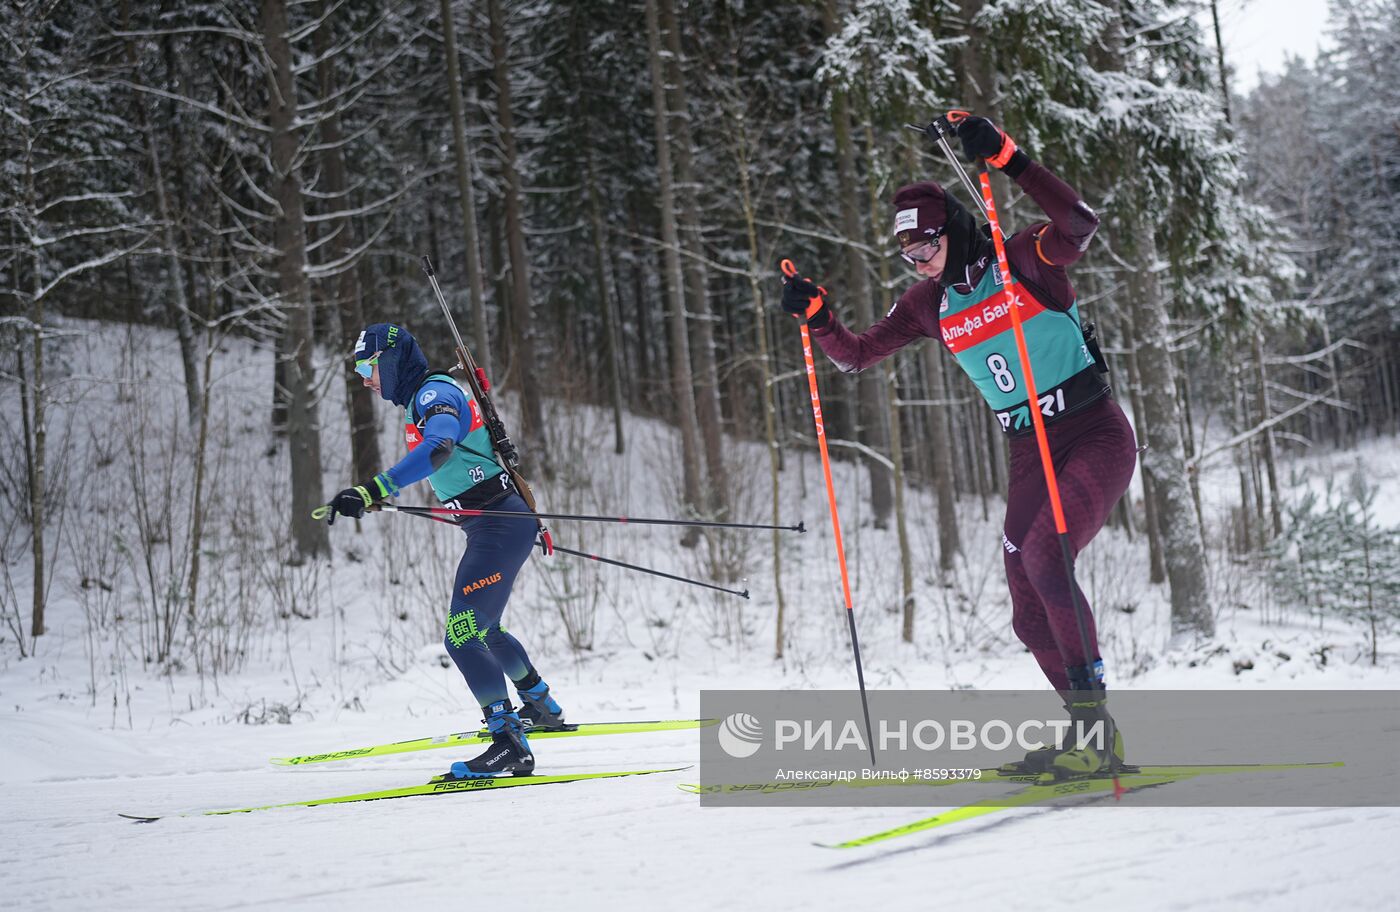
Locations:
506 453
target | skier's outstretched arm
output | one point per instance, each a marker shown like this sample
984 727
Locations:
853 352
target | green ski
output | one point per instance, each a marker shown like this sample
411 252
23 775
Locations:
1140 778
1026 795
481 736
436 787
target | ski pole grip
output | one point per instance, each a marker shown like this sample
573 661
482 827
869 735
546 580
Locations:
814 303
946 125
428 266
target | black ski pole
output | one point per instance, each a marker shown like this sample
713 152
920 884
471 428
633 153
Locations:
560 549
669 576
623 520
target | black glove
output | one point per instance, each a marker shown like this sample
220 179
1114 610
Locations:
797 300
981 139
353 502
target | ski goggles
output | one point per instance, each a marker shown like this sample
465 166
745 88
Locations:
921 253
365 368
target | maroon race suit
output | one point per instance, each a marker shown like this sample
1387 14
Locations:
1093 448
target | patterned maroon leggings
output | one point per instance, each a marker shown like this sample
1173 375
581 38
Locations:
1094 453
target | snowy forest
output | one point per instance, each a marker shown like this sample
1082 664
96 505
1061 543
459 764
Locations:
607 189
203 204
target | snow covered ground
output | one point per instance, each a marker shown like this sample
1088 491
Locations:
335 656
635 843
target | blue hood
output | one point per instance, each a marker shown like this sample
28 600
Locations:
402 365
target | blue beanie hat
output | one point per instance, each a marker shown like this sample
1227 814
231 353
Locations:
402 365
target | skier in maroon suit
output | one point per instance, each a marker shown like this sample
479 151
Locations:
960 302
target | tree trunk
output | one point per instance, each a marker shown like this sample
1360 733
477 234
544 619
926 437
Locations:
1334 382
32 403
466 194
681 377
364 436
901 519
1164 462
1156 564
697 300
1240 457
1267 443
34 427
309 537
1188 434
174 73
281 353
532 417
197 511
736 124
494 270
604 274
606 301
980 93
896 427
765 376
177 308
872 415
997 455
642 304
1220 61
983 467
941 445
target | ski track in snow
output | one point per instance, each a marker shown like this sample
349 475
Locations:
640 843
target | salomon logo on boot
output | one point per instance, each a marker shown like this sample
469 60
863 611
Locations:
509 752
540 711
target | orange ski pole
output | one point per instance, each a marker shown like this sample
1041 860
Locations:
1033 403
790 271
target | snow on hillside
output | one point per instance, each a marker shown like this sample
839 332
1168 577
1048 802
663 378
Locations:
291 660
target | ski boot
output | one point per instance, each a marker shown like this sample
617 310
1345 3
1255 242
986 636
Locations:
1036 762
509 753
1093 745
538 710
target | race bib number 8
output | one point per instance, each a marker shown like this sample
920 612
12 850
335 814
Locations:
1001 373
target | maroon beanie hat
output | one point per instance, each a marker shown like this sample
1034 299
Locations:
921 213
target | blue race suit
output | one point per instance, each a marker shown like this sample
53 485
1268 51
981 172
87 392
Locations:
454 455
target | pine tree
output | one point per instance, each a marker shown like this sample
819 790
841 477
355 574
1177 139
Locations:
1338 560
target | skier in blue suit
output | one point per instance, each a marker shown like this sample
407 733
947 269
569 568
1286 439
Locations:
450 446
